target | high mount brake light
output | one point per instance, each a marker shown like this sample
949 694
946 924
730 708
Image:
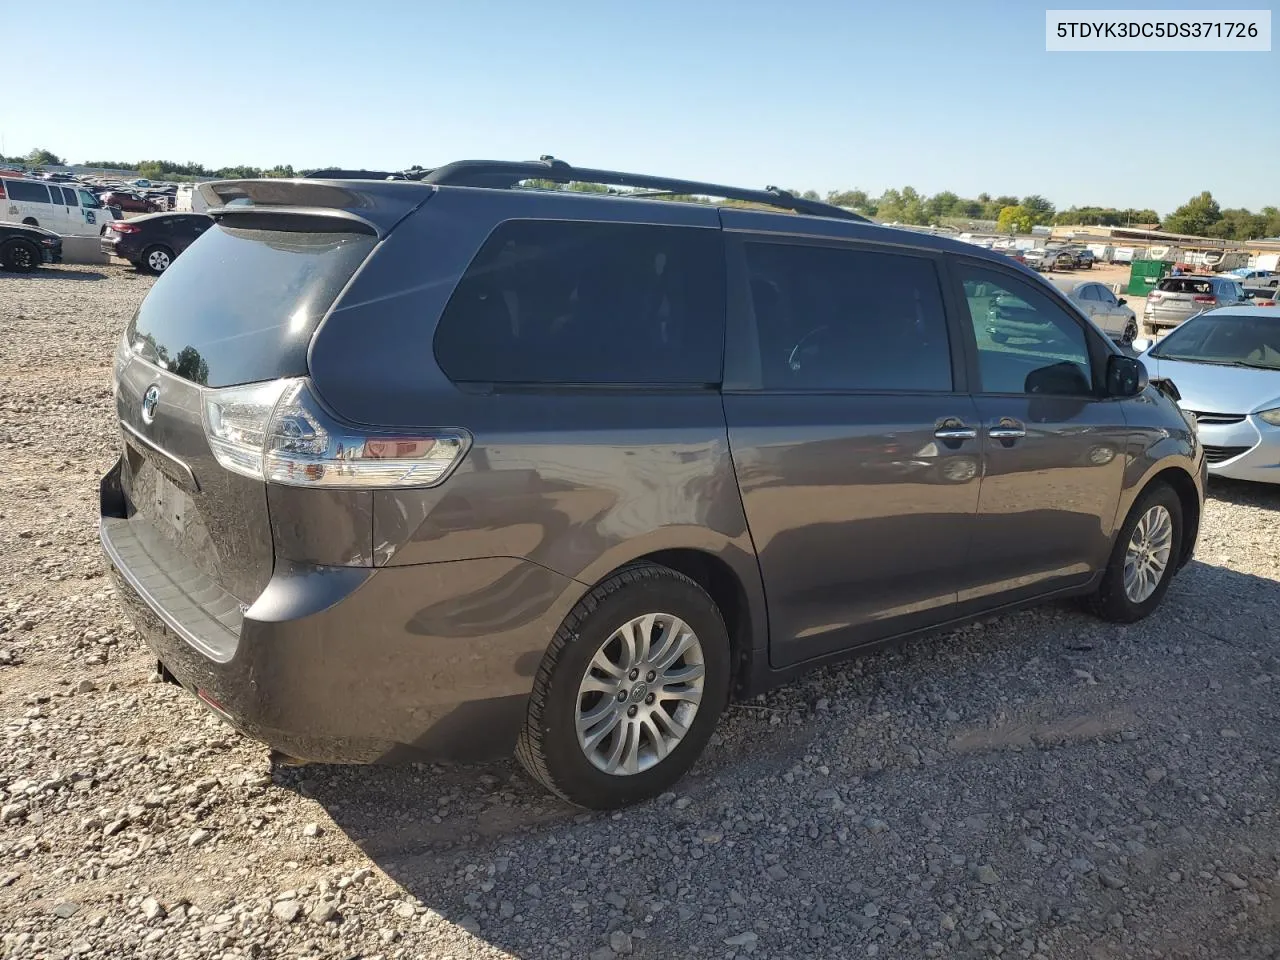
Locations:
278 432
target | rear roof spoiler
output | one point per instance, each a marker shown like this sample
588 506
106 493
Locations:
367 206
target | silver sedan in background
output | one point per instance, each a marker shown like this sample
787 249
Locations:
1226 365
1099 304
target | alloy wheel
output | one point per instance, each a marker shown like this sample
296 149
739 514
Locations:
158 261
1148 553
639 694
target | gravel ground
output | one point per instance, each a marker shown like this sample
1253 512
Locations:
1039 785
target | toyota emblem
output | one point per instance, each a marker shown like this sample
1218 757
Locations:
149 401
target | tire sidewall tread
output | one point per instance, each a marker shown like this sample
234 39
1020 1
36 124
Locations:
1110 602
548 746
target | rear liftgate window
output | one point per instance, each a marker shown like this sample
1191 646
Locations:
588 303
240 305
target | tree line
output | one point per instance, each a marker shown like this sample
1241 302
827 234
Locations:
1201 215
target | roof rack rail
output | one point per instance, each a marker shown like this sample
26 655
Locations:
336 173
504 174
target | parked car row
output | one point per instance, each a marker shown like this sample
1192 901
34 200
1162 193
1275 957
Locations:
849 458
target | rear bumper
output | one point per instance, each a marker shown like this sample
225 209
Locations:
349 664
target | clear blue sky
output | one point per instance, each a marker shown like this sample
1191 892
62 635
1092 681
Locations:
812 93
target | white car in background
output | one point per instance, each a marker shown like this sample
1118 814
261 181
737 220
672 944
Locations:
66 209
1226 366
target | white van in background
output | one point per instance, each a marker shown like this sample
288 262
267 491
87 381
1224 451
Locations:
189 199
66 209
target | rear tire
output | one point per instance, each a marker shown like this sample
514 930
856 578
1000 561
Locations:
1114 600
20 256
551 746
156 260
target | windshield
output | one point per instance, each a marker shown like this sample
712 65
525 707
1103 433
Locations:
1233 339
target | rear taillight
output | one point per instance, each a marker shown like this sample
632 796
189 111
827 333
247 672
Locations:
278 432
123 226
1264 303
1204 299
1155 296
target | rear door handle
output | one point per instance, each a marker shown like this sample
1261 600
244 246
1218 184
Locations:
955 429
1007 429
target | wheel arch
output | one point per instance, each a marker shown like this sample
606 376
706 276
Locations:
729 575
1189 496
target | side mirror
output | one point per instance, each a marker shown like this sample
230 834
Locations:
1122 301
1168 388
1141 344
1126 376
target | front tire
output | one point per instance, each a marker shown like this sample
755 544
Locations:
629 692
1144 559
20 256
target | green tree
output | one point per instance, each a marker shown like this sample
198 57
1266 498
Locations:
1271 216
1239 224
941 205
889 206
854 199
1041 210
1015 219
991 207
40 157
913 207
1195 216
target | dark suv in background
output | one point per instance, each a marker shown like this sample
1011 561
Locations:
447 466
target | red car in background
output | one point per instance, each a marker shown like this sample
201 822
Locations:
128 202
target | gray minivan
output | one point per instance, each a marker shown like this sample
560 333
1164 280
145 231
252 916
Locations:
447 466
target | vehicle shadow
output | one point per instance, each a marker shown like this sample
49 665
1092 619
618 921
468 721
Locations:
54 273
1244 493
485 848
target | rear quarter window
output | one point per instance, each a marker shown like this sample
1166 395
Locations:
549 301
25 190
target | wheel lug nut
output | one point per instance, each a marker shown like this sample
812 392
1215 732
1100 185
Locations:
633 674
650 677
650 698
622 696
632 711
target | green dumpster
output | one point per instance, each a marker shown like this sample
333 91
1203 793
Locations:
1143 275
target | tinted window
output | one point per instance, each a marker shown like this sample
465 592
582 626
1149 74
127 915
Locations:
240 306
1184 285
842 319
1105 295
87 199
27 191
68 197
575 302
1026 342
1089 292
